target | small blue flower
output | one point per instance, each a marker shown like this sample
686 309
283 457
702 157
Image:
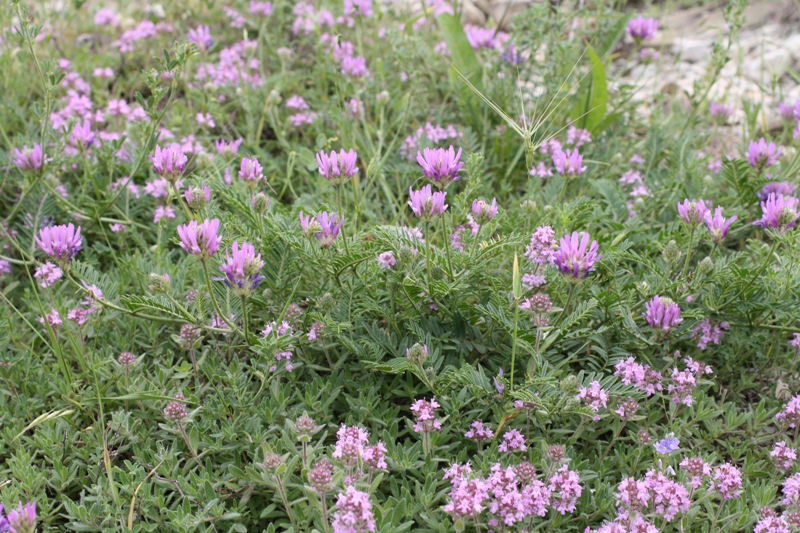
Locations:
667 445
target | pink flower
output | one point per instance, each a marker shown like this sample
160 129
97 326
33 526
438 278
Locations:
169 162
642 29
242 269
778 212
440 165
709 331
228 148
355 67
250 170
578 136
427 204
783 455
29 158
640 376
483 211
761 154
693 212
594 397
513 441
542 247
568 162
338 168
48 274
297 102
201 36
353 512
790 414
260 9
200 239
575 257
466 498
60 242
662 313
374 456
718 225
386 260
350 444
567 484
163 211
728 481
53 318
479 432
696 470
425 415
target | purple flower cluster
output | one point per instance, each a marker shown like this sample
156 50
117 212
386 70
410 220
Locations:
427 204
47 274
594 397
242 269
642 29
200 239
783 455
350 444
662 314
60 243
19 520
575 257
718 225
324 227
640 376
169 162
425 415
709 331
790 414
761 154
778 212
479 432
727 481
353 512
693 212
337 168
29 158
513 441
440 166
429 132
568 163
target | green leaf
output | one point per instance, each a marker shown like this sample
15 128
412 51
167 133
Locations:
593 101
141 303
616 33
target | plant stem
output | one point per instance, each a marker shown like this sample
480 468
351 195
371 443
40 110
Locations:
514 343
245 319
688 253
616 436
447 247
214 298
285 500
566 305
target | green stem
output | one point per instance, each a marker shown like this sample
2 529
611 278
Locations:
688 253
447 247
566 305
245 319
474 245
210 287
514 344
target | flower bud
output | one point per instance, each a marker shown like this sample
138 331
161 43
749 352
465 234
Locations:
417 353
260 203
383 97
706 266
671 253
158 283
326 302
272 461
569 385
405 254
275 97
437 273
